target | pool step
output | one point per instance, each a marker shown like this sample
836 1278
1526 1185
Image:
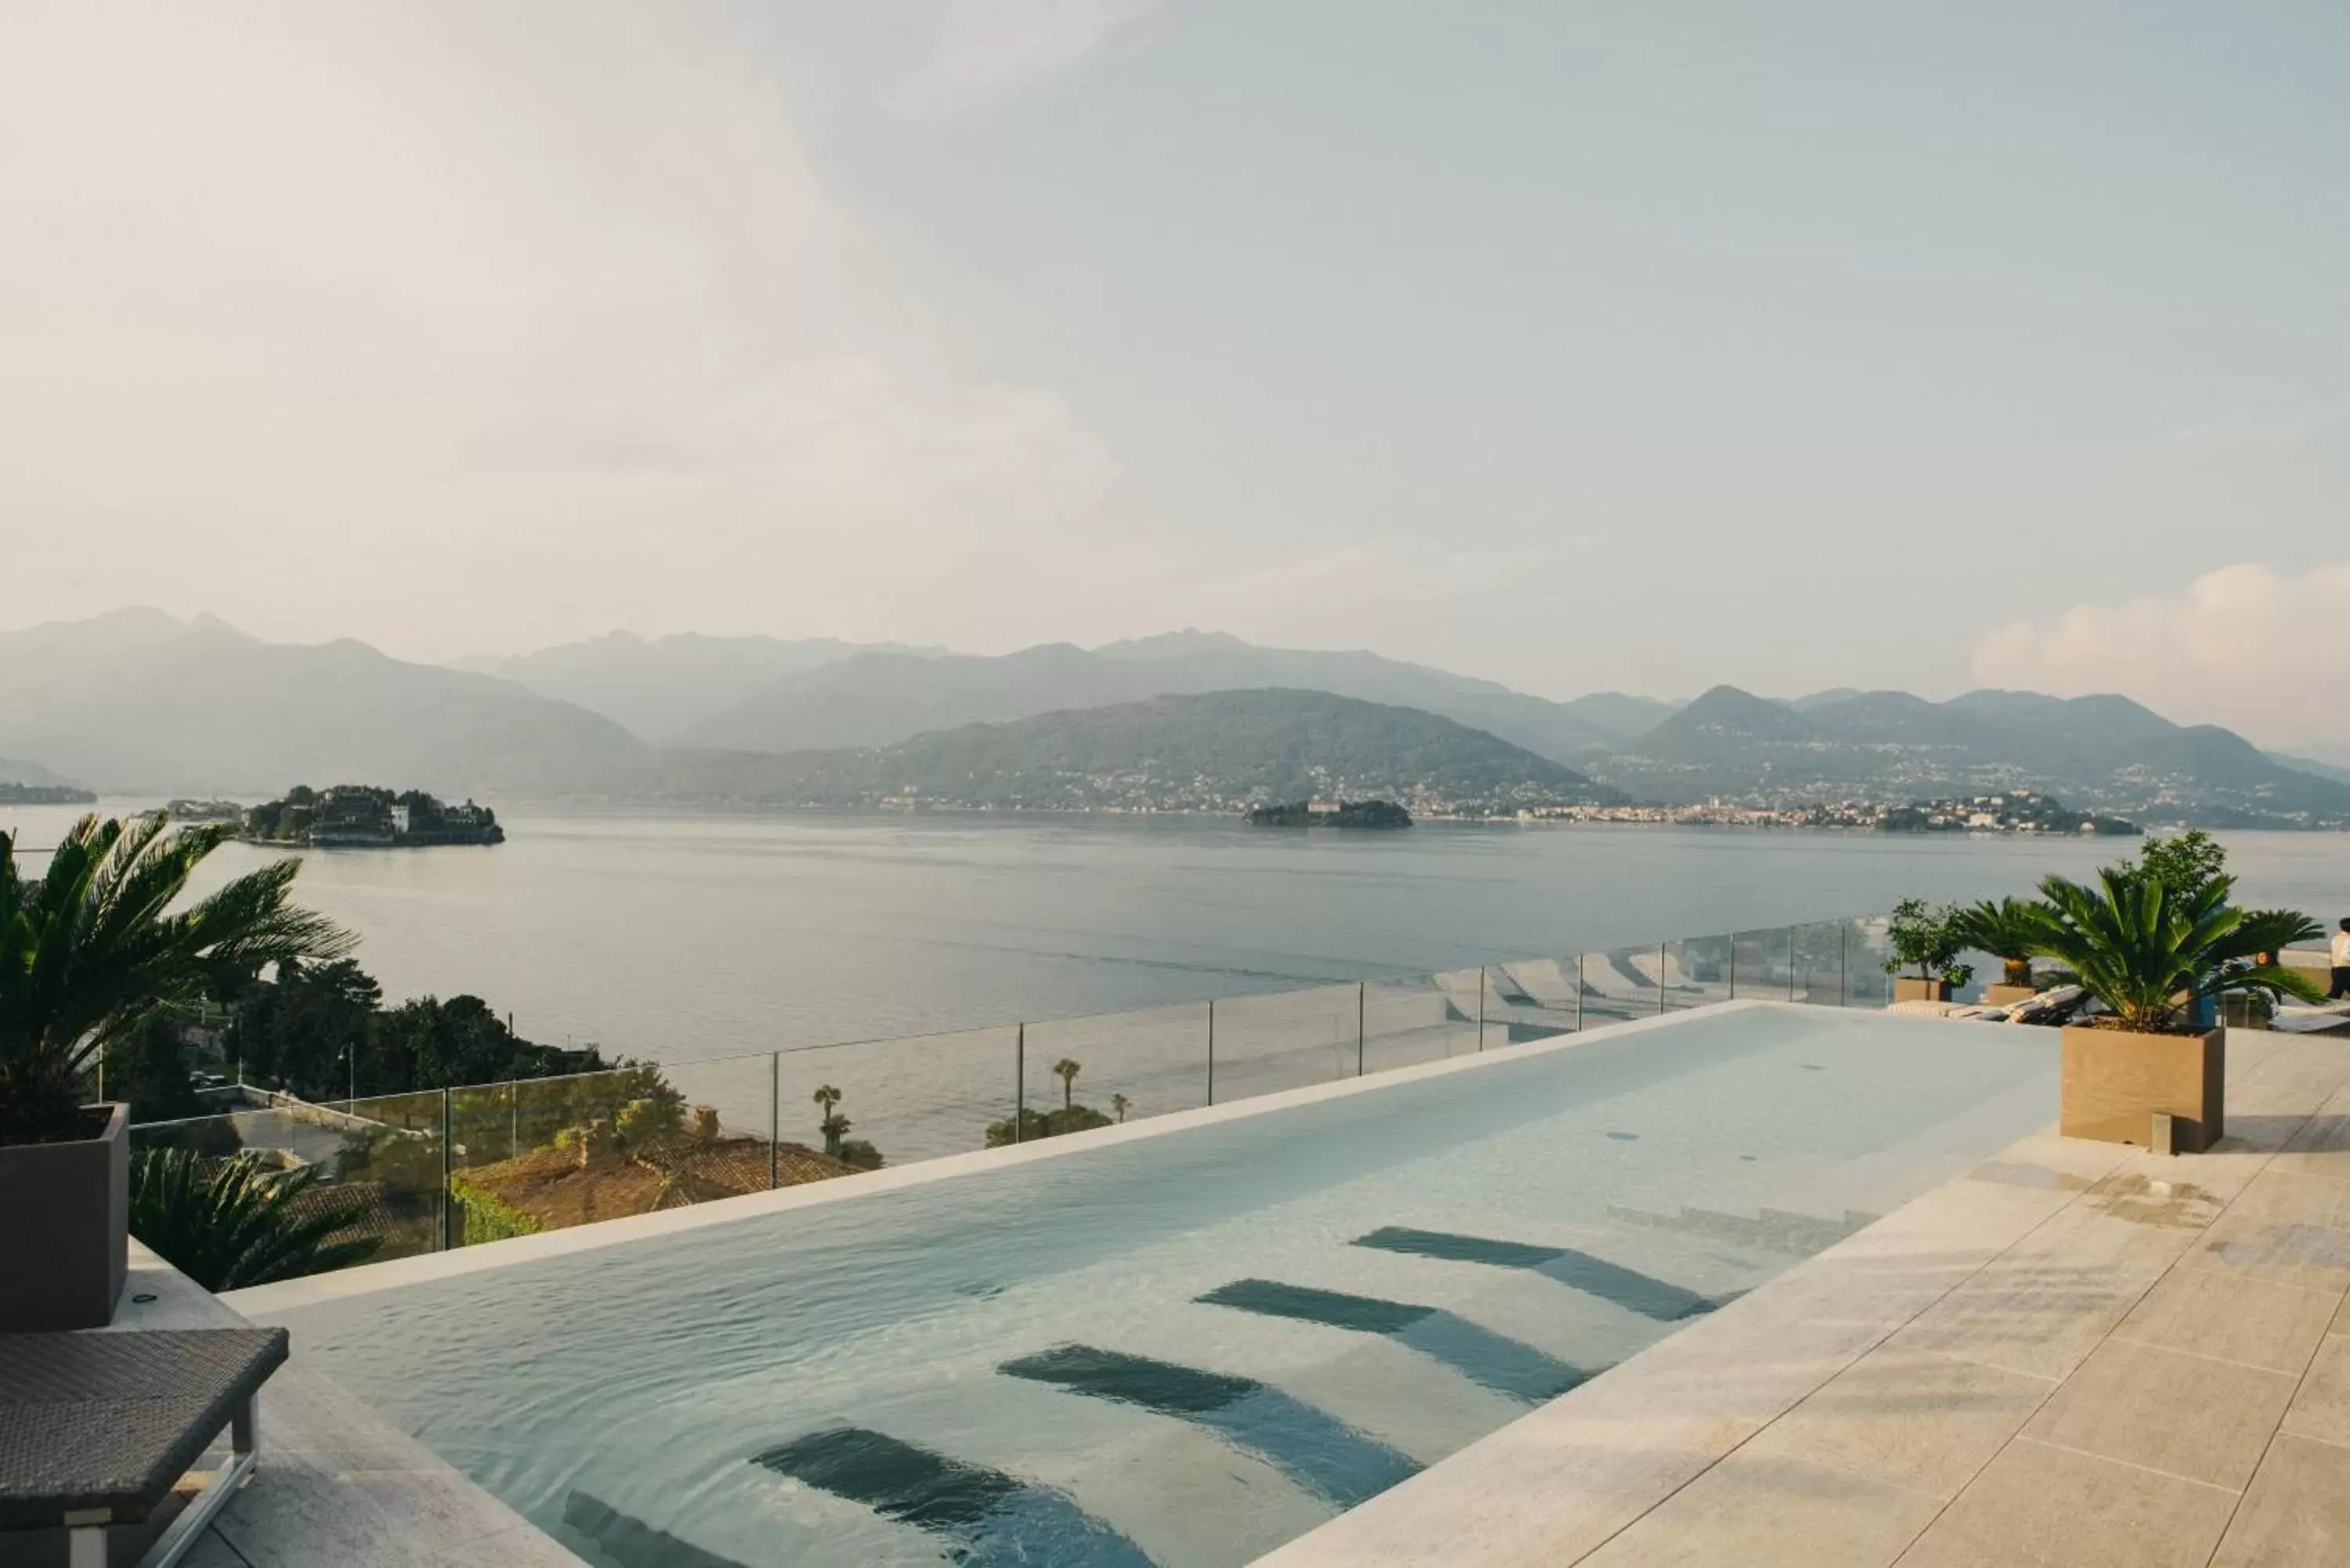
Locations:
1491 1360
986 1518
631 1541
1628 1288
1319 1452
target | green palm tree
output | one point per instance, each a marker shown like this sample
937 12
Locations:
2009 931
834 1126
2150 952
1066 1069
230 1223
107 935
1120 1105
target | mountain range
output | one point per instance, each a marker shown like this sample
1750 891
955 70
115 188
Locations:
872 699
139 701
659 688
2106 753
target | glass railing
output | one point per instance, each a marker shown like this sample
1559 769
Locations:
441 1169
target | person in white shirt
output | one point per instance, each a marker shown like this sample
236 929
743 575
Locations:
2341 964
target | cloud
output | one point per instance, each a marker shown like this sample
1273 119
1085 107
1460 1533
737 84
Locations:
987 50
2261 652
447 324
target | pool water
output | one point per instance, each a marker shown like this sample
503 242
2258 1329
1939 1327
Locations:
1181 1349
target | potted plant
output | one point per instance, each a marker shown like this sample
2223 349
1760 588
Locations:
103 937
1922 936
2157 958
2008 932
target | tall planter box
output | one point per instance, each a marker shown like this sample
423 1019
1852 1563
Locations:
65 1229
1916 989
2008 995
2116 1082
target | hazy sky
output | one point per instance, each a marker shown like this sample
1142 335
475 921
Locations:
1638 345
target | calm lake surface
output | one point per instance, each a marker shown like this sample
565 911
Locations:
674 935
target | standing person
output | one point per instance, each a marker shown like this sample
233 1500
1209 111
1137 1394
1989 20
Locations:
2340 988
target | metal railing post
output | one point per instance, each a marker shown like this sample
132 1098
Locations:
1844 963
1790 963
1480 1007
774 1115
1660 974
1733 966
447 1171
1362 988
1578 992
1019 1079
513 1119
1211 1050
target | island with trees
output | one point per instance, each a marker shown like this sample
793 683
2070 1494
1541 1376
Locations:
367 818
1378 815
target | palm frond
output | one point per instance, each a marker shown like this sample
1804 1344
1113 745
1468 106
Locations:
231 1223
2149 951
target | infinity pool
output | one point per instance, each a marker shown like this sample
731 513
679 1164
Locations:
1181 1348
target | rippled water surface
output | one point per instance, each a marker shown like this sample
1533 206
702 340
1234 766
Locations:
674 936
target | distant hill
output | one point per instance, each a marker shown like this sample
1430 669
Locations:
2311 766
874 699
2106 753
1619 717
1198 751
657 688
140 701
32 774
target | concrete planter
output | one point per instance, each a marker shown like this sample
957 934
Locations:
2008 995
2114 1082
1915 989
65 1229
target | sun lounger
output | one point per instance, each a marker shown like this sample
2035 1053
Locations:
95 1429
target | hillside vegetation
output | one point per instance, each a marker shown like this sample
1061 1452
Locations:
1211 752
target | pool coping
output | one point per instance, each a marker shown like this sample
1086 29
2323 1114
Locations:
1744 1437
260 1302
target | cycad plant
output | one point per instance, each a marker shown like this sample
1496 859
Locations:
2151 953
230 1223
105 935
2009 931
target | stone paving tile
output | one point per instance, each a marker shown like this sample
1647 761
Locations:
2286 1253
2296 1513
2296 1198
1910 1419
2038 1318
1768 1513
2052 1507
2166 1410
2227 1315
2321 1408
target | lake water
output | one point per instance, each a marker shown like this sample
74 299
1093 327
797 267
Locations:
675 935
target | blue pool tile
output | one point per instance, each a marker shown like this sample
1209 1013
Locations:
987 1519
1315 1449
1484 1357
1627 1288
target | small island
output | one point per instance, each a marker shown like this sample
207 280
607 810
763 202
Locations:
1381 814
363 816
